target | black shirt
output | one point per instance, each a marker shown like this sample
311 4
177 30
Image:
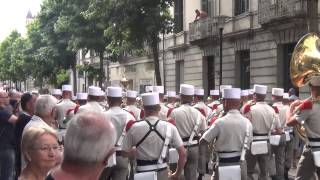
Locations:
7 140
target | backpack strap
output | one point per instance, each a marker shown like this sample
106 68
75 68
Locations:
152 128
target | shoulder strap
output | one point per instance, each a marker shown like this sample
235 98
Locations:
245 143
272 126
165 144
195 129
151 128
123 133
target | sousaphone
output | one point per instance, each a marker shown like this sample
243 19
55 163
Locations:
304 65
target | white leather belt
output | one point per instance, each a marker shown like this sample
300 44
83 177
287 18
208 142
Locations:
118 148
229 154
188 143
260 137
313 143
151 167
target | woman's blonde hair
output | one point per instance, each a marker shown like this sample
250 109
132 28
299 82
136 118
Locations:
31 135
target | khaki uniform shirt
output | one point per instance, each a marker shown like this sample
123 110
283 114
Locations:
61 111
261 116
119 119
163 112
310 117
230 128
215 102
170 105
151 147
282 113
186 117
91 106
136 111
202 105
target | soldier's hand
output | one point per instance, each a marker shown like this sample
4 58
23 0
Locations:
174 176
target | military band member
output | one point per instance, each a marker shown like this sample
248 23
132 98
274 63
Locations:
178 101
92 104
163 114
171 99
81 100
145 140
264 119
308 113
232 128
57 93
190 123
119 118
200 105
64 105
215 96
244 97
131 105
279 151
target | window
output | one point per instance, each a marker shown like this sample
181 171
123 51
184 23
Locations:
206 6
208 73
241 6
178 16
179 74
243 73
287 55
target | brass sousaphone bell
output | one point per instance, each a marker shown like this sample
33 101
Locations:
304 65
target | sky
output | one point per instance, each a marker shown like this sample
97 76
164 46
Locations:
13 15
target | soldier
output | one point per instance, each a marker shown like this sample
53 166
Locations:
146 140
131 105
215 95
308 112
250 96
119 118
264 120
178 101
82 98
244 97
190 124
163 114
171 99
235 129
94 94
279 151
57 93
289 137
64 105
200 105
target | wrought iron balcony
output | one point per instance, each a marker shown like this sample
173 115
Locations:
203 29
275 10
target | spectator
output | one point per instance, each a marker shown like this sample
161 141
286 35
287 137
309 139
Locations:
27 105
40 150
89 142
7 141
200 15
293 94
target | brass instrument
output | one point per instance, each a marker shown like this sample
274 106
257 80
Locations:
304 65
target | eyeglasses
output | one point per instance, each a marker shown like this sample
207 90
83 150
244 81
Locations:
48 148
4 97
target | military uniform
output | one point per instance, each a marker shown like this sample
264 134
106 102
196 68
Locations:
149 147
309 113
61 111
91 106
261 116
185 118
232 129
119 119
201 106
135 111
289 141
163 114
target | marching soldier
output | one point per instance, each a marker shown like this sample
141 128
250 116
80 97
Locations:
289 137
171 99
279 151
57 93
190 123
146 140
64 105
234 129
81 100
178 101
131 105
119 118
215 95
307 112
244 97
163 114
94 94
200 105
264 120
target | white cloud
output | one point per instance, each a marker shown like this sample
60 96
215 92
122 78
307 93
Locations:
13 15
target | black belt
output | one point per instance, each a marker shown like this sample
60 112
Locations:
185 139
314 139
230 160
118 153
258 134
149 162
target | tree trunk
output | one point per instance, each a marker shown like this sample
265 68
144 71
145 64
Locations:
101 74
74 72
155 52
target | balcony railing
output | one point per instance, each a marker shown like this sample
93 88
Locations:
270 10
203 28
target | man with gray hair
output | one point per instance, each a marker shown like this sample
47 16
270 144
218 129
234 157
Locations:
89 142
44 112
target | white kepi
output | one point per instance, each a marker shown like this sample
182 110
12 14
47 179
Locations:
277 91
114 92
231 93
66 87
132 94
158 89
57 92
94 91
260 89
171 93
199 92
214 92
150 99
187 89
244 93
82 96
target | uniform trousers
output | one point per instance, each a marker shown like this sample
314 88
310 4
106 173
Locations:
279 157
191 166
117 172
204 157
243 166
306 167
288 153
263 163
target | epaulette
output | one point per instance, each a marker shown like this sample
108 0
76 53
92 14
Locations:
76 109
130 112
306 105
172 121
141 114
201 111
276 109
69 111
215 106
247 108
169 111
129 125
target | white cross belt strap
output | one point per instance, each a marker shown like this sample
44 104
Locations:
123 133
194 132
245 143
151 167
228 154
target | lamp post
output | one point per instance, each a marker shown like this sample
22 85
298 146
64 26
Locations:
124 82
